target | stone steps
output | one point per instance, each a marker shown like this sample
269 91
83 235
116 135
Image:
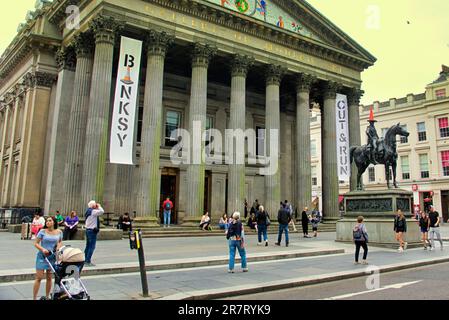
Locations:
177 231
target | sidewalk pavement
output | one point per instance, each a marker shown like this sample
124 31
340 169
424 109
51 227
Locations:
176 279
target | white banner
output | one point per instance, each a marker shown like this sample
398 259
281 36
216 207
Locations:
342 133
125 102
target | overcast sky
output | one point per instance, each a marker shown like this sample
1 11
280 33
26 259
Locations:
409 38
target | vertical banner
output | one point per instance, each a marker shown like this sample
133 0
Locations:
125 102
342 133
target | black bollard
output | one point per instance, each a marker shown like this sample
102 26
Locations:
135 242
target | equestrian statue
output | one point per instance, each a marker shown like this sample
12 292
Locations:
377 151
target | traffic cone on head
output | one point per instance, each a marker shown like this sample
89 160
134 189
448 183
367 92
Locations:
371 115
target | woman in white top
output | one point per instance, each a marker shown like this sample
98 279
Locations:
205 222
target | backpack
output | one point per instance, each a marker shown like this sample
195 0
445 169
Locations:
357 233
167 205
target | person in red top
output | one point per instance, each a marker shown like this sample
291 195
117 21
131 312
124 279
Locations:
167 206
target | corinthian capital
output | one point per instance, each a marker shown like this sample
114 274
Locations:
240 65
304 82
105 29
158 42
274 74
39 79
202 54
83 43
354 96
330 89
66 58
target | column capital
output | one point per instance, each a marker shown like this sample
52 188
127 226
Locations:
83 44
158 42
66 58
105 29
240 65
304 82
330 89
274 74
39 79
202 54
354 95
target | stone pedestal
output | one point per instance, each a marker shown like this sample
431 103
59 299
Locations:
145 222
378 209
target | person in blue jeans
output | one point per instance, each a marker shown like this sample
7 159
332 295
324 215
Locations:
284 219
167 206
236 237
92 225
261 218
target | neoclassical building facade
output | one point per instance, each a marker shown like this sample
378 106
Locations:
228 64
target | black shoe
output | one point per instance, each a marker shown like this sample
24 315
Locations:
277 244
266 243
286 244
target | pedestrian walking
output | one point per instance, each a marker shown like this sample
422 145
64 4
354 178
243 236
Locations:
46 241
315 220
284 219
236 237
360 236
167 207
434 228
246 208
424 224
71 226
400 227
261 219
305 222
290 210
92 224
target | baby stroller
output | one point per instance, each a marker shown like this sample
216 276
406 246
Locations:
67 270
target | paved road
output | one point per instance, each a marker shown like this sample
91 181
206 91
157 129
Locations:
425 283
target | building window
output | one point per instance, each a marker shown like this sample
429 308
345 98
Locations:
260 138
424 165
440 94
209 125
371 174
405 167
313 148
404 139
445 162
444 127
172 122
422 136
314 177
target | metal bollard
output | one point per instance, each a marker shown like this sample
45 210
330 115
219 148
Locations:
135 242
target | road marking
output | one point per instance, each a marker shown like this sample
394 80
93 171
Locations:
391 286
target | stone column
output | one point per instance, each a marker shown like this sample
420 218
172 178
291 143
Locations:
83 45
329 153
303 161
354 129
54 194
236 183
201 57
8 193
95 146
149 191
274 76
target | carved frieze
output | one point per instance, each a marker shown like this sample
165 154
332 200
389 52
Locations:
369 205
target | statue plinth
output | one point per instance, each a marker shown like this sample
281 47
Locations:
378 209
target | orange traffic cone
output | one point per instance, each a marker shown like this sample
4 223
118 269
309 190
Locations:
127 78
371 115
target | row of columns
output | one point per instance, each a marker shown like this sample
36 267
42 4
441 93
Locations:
88 129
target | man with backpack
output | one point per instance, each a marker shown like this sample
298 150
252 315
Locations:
167 206
360 236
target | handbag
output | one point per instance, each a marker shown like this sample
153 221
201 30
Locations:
267 220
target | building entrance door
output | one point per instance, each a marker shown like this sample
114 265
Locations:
445 204
169 188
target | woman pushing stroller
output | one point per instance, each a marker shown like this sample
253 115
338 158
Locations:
46 240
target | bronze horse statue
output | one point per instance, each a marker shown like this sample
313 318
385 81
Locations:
385 154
